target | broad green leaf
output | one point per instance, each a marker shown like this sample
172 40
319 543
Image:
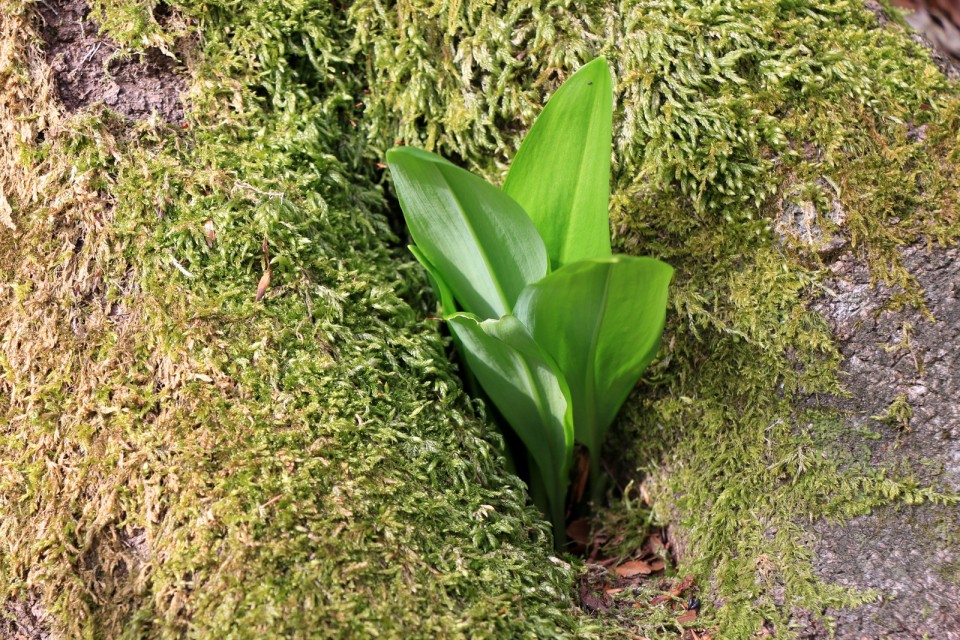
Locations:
421 154
477 238
600 321
561 174
440 288
525 386
448 307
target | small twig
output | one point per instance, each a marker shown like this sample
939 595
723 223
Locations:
247 185
272 501
306 297
92 52
180 267
606 467
47 5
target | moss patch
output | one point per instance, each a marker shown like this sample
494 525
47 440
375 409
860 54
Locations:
731 115
177 459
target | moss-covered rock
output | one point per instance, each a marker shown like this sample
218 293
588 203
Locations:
178 458
755 142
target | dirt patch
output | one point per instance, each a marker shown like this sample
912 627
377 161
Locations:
24 619
903 372
87 70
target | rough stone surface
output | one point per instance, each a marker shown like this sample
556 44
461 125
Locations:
911 555
24 620
86 73
927 34
800 222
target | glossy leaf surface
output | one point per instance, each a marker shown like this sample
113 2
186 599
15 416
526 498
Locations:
476 237
561 174
600 321
525 386
440 288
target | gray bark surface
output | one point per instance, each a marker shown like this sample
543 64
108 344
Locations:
910 554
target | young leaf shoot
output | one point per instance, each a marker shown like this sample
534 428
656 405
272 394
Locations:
556 352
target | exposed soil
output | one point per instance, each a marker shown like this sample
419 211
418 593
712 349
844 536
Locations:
24 620
912 555
86 72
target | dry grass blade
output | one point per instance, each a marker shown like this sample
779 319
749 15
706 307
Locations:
265 278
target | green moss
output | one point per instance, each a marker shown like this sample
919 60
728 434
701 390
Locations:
729 113
898 414
134 26
181 460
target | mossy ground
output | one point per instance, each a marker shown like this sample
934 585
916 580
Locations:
177 459
730 116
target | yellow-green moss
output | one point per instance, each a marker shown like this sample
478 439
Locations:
179 460
729 114
176 459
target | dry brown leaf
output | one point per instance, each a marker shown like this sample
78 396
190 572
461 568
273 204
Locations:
657 565
685 584
610 592
634 568
264 284
591 601
211 232
579 531
687 616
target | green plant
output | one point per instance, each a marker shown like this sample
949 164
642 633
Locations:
555 328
